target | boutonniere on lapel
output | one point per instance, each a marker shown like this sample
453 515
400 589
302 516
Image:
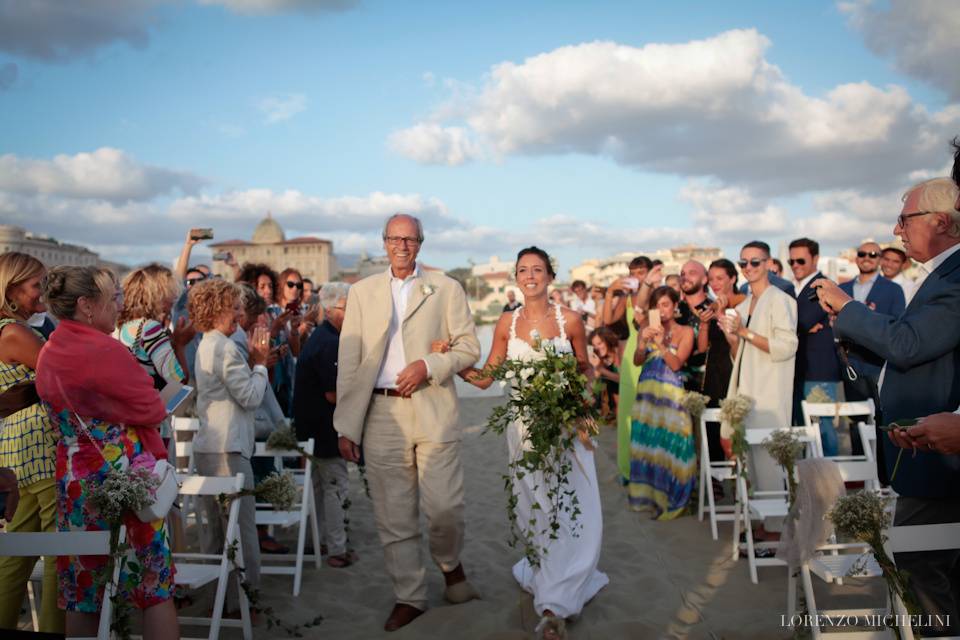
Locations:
427 289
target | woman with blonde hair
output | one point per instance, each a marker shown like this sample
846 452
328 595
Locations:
228 394
27 438
148 297
107 411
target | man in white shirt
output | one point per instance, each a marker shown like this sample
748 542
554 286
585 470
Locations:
868 262
893 264
583 304
397 398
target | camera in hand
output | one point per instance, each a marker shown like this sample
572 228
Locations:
201 234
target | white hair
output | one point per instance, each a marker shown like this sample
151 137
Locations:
331 293
939 195
415 219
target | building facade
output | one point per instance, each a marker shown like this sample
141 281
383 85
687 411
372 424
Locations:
312 257
50 252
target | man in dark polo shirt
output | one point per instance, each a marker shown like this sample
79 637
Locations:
314 399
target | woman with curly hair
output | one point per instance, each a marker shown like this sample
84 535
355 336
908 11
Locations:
27 439
228 394
106 409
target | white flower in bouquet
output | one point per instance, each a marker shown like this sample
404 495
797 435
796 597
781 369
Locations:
526 372
509 375
561 346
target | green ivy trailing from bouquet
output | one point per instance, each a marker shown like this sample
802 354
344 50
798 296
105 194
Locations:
551 398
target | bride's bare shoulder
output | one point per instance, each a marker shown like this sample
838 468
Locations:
502 330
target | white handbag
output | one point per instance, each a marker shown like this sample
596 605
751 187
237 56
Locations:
167 486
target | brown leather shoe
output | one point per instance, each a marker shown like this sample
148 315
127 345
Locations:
458 589
401 616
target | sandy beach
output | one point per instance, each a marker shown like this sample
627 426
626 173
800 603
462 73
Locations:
667 579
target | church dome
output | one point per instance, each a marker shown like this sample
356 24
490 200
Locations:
268 232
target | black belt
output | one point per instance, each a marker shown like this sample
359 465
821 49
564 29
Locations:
391 393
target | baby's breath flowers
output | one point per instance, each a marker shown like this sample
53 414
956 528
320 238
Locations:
695 404
785 447
734 411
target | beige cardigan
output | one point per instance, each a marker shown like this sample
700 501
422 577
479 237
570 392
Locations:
228 394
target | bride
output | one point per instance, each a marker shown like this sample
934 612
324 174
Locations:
567 576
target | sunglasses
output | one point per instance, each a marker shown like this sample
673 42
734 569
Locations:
868 254
799 261
754 262
192 281
291 284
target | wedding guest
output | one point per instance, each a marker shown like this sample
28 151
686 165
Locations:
763 335
512 302
920 347
314 400
556 297
817 365
261 277
624 305
881 296
148 297
673 281
106 409
693 299
893 264
776 267
583 304
228 394
306 299
28 446
597 293
286 328
663 466
606 365
722 277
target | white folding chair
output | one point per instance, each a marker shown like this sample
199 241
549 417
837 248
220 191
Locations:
764 504
720 471
868 436
74 543
195 570
185 425
297 516
813 411
919 537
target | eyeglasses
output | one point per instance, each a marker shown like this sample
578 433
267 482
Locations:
868 254
799 261
753 262
291 284
192 281
903 217
341 308
402 240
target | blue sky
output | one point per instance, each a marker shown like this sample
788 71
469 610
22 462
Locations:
586 128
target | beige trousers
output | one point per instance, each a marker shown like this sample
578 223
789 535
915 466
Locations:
405 471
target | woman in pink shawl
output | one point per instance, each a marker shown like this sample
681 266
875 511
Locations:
83 372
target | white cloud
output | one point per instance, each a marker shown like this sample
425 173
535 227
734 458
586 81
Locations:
278 6
56 30
920 36
282 107
429 143
107 173
713 108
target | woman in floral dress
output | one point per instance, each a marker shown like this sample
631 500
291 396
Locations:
84 374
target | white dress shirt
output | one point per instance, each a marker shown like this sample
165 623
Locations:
805 282
394 359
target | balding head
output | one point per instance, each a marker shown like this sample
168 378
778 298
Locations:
693 277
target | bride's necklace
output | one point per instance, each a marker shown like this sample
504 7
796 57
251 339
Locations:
528 320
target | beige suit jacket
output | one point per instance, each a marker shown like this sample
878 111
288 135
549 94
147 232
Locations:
436 309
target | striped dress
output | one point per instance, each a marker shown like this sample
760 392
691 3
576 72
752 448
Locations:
663 463
28 440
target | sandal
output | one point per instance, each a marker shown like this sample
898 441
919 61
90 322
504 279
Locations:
551 627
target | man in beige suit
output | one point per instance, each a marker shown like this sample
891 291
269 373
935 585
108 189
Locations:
398 399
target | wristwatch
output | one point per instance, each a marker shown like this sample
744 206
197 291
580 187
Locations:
750 336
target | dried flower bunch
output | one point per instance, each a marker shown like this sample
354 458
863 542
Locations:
123 491
786 448
734 411
695 404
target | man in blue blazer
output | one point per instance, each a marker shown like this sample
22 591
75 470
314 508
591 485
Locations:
921 377
817 364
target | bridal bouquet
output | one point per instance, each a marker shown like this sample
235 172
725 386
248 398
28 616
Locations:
551 399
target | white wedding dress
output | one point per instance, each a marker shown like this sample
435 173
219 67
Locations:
567 577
